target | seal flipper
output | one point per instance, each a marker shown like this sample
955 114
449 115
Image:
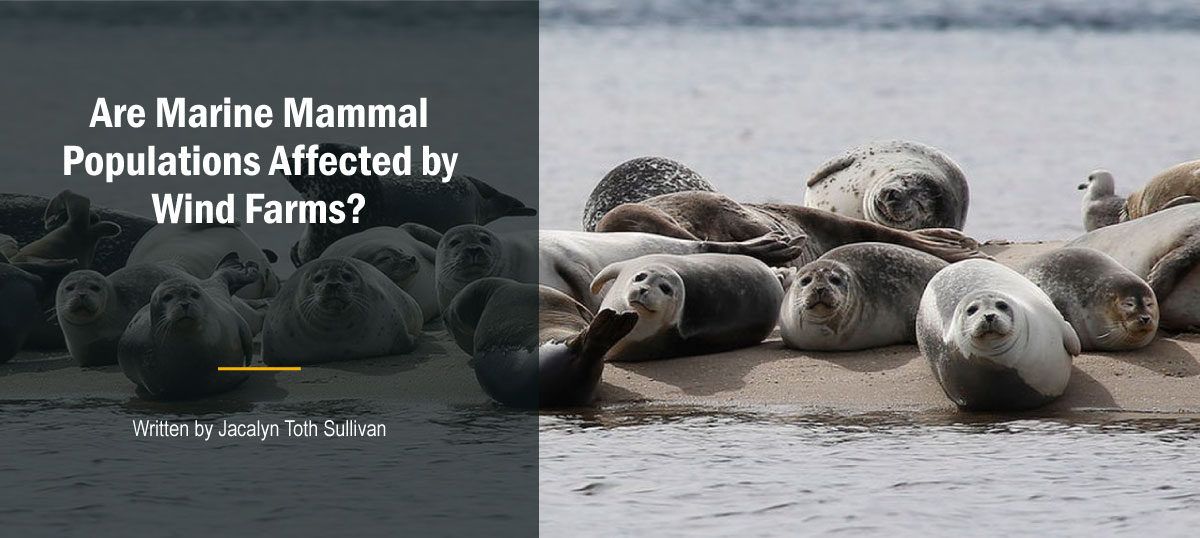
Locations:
1071 340
8 248
608 328
462 315
234 273
837 164
773 249
1173 266
613 270
498 204
271 255
426 236
1179 200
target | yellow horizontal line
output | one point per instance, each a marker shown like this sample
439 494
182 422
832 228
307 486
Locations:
258 368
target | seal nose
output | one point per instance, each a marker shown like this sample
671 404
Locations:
185 306
1145 319
989 317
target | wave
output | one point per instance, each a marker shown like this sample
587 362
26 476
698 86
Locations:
1088 15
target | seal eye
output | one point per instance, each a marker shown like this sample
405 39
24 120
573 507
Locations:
195 295
94 287
455 243
485 240
347 278
972 310
665 288
1002 306
318 279
71 287
168 297
806 281
640 277
836 281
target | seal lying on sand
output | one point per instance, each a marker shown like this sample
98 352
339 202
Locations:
24 289
392 201
1110 308
1173 186
73 237
470 252
896 183
339 309
403 254
174 345
1164 249
690 305
27 218
857 296
715 217
94 310
569 261
199 248
639 179
994 340
551 357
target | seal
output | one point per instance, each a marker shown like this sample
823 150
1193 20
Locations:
336 309
1173 186
1101 206
24 288
715 217
1164 249
896 183
639 179
198 249
407 259
690 305
27 219
174 345
1110 308
392 201
549 358
75 237
93 310
993 339
857 296
470 252
568 261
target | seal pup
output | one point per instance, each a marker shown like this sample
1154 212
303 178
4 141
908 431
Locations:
28 218
392 201
548 358
199 248
23 291
408 259
690 305
74 236
470 252
857 296
93 310
994 339
568 261
1110 308
896 183
1164 249
336 309
1176 185
174 345
715 217
638 179
1101 206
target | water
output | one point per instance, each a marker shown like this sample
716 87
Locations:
1028 97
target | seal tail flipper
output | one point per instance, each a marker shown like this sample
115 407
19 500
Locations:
602 334
423 233
1071 340
1173 266
235 273
608 273
271 255
502 204
831 167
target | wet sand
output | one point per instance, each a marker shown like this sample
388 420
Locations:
1164 377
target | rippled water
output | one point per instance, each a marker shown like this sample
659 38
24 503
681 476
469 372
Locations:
680 472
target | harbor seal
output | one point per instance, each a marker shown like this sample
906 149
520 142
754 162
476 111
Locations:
690 305
174 345
1173 186
549 358
639 179
896 183
715 217
74 232
1164 249
568 261
25 218
470 252
198 249
857 296
392 201
1110 308
93 310
24 288
339 309
404 257
1101 206
993 339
